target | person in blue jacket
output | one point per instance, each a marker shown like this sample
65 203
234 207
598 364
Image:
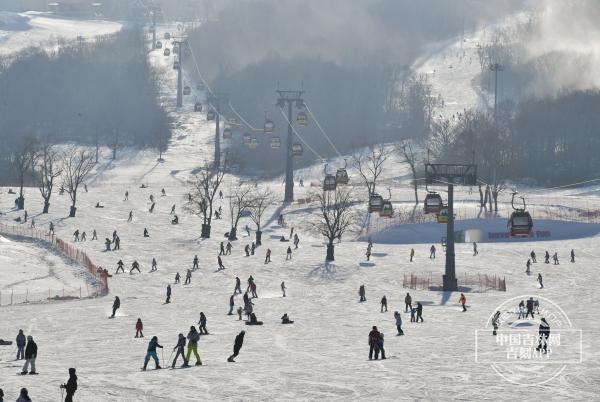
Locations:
21 341
152 353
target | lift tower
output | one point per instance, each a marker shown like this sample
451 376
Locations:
289 98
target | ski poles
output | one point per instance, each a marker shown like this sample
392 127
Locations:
170 356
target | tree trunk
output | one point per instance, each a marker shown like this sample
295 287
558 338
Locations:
415 188
46 206
481 202
490 199
205 231
232 234
485 199
21 202
330 251
72 211
495 194
258 238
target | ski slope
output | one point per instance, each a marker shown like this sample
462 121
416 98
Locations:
324 354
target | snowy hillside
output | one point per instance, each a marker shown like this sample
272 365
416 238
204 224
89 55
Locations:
324 354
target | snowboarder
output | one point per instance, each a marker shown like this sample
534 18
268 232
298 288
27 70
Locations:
412 254
463 301
407 302
30 356
544 336
398 318
139 327
146 234
432 252
228 248
130 218
283 288
528 267
188 277
151 353
475 252
532 255
220 262
231 304
71 385
253 320
116 306
135 265
495 322
555 259
361 293
222 249
202 324
383 303
419 312
572 255
168 294
539 279
289 253
193 338
530 306
180 347
21 341
195 262
177 278
268 256
238 286
547 258
120 267
374 343
153 265
237 345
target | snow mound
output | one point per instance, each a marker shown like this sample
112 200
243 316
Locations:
13 22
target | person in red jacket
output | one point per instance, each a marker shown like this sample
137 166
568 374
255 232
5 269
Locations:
374 343
138 328
463 301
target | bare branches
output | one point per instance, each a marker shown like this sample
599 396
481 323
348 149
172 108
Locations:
370 166
23 161
405 150
49 168
77 164
239 200
204 186
260 199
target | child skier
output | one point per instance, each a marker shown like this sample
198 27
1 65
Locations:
151 353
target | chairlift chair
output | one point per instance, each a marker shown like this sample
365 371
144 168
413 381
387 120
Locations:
297 149
275 143
269 126
302 119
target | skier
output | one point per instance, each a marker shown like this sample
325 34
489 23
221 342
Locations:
412 254
539 279
544 334
532 255
202 324
419 312
247 230
283 288
153 265
572 255
463 301
289 253
220 262
536 306
151 198
296 240
30 356
83 237
222 249
51 229
475 252
368 254
547 258
495 321
381 348
247 250
126 195
240 310
252 248
172 210
413 311
130 218
285 319
253 289
220 194
168 294
177 278
24 396
398 318
521 310
94 235
21 341
135 265
195 262
407 302
555 258
76 235
163 193
120 267
250 281
374 343
268 256
528 266
237 345
291 232
146 234
139 327
151 353
231 304
180 347
238 286
253 320
117 243
432 252
188 277
193 338
530 305
361 293
228 248
116 306
107 243
383 303
70 386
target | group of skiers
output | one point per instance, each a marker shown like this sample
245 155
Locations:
70 387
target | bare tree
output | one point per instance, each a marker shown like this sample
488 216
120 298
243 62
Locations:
497 188
77 164
405 150
203 189
239 200
48 170
370 166
23 161
336 216
260 199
